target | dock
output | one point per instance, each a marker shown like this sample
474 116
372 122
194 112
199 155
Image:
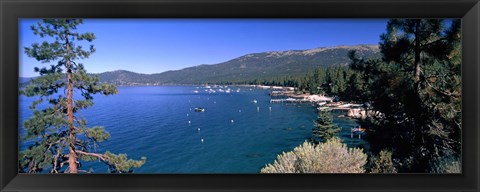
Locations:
334 108
357 130
289 100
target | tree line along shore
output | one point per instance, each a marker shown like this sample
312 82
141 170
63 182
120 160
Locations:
413 96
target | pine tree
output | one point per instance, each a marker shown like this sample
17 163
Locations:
355 88
417 86
57 135
324 128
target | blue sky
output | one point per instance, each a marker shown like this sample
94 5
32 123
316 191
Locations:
157 45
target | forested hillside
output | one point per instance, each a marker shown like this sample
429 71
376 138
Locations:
261 66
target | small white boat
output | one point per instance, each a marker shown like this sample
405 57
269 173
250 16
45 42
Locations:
199 109
322 103
254 101
290 99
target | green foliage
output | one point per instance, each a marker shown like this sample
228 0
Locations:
447 164
97 134
49 130
330 157
44 85
120 163
417 86
324 128
382 163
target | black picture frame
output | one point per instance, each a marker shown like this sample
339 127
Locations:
11 11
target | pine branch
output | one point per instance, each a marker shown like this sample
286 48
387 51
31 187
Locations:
445 93
97 155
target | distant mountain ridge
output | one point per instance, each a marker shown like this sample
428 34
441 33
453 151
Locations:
266 65
23 80
247 67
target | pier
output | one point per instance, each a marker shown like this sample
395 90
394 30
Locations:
357 130
345 109
289 100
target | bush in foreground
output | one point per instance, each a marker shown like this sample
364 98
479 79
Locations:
383 163
330 157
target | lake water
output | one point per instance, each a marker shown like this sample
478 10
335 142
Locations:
160 123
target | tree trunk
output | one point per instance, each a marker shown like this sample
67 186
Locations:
419 139
417 56
72 157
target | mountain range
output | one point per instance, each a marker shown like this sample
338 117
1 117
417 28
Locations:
247 67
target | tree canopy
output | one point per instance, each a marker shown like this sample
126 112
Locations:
417 86
58 139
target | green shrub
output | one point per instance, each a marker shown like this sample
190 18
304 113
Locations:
383 163
330 157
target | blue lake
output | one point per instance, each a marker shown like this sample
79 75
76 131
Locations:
160 123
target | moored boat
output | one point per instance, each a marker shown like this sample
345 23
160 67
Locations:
199 109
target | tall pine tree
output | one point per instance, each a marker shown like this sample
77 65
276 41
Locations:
417 86
324 128
59 139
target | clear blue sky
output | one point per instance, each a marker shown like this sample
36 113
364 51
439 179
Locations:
157 45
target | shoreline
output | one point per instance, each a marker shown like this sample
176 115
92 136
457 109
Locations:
288 95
